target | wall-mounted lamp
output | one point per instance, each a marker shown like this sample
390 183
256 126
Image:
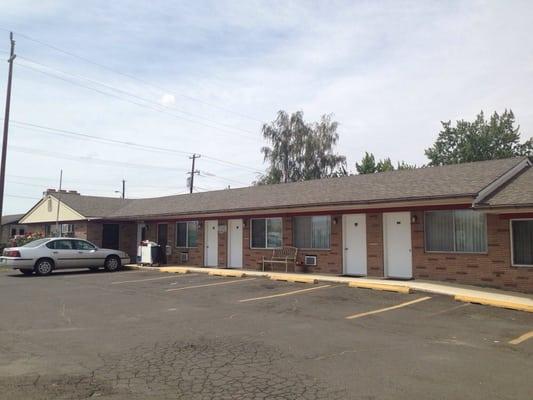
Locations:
244 223
335 221
414 219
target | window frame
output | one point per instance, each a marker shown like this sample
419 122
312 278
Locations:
512 244
267 247
454 241
187 234
312 248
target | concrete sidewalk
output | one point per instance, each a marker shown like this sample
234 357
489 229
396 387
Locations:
465 293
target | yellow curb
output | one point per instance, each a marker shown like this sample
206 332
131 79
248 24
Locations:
293 278
228 273
176 270
495 303
380 286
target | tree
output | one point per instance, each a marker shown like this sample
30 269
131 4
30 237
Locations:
299 150
369 166
479 140
384 165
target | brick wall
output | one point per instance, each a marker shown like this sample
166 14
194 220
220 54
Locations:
328 261
374 244
491 269
196 254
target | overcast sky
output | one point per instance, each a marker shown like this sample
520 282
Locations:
201 76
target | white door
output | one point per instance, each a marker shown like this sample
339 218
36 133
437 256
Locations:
397 245
354 242
235 243
211 243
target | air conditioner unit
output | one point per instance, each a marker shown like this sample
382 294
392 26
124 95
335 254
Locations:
310 260
184 257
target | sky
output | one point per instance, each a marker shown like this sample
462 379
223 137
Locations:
131 88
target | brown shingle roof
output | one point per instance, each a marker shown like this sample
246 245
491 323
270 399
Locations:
91 206
11 219
519 191
423 183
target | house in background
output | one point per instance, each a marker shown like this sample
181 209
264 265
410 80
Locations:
11 227
467 223
82 217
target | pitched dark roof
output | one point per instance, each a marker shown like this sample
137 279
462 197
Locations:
91 206
424 183
460 180
518 192
11 219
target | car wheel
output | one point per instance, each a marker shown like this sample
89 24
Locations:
26 271
112 264
94 269
44 267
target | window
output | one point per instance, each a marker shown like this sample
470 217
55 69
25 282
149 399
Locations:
83 245
60 245
312 232
522 242
266 233
459 231
22 231
13 232
186 234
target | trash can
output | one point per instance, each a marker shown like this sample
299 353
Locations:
150 253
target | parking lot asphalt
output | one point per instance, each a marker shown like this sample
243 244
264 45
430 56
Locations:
144 334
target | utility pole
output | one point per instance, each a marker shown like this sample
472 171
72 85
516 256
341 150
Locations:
193 171
123 189
59 232
12 57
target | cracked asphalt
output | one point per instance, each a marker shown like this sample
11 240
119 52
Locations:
83 335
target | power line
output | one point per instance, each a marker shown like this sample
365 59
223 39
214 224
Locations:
159 88
158 109
114 88
26 150
139 146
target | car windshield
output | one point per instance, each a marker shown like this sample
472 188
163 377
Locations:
36 243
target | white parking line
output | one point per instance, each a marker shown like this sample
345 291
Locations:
388 308
210 284
284 294
152 279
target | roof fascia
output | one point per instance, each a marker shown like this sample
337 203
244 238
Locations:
500 181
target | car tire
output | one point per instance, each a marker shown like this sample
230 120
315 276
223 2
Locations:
112 264
26 271
44 267
94 269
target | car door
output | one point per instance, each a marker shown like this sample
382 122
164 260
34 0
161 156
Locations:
87 254
64 254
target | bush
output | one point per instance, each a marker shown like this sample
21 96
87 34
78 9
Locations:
21 240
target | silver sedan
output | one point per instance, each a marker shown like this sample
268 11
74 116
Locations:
42 256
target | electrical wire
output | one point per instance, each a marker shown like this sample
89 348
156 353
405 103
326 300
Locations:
129 76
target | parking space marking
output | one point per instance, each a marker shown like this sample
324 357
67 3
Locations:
522 338
151 279
284 294
408 303
210 284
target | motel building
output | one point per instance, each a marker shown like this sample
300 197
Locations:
468 223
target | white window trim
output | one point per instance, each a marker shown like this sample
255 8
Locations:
512 245
266 234
186 236
454 244
313 248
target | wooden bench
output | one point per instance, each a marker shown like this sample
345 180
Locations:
285 255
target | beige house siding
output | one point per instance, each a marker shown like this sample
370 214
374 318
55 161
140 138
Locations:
46 211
